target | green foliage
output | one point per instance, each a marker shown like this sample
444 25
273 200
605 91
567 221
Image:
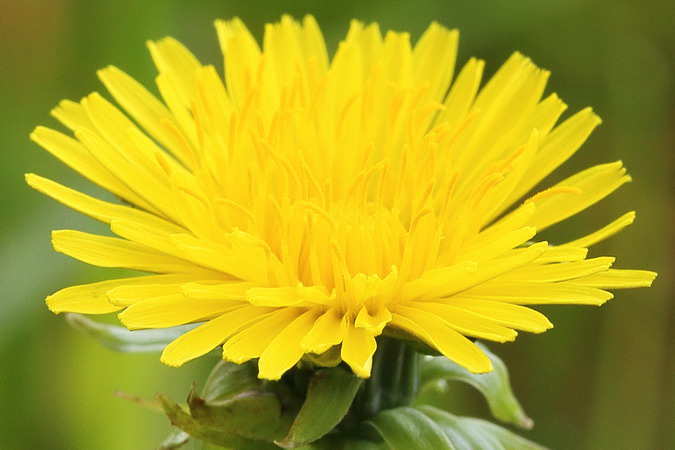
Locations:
120 339
494 386
238 410
333 409
429 428
467 433
329 397
405 428
192 426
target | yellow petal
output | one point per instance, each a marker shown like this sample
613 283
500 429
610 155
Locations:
169 244
205 338
435 282
155 286
155 192
509 223
358 347
605 232
146 233
285 350
124 137
592 184
560 271
282 45
375 323
462 94
185 130
172 310
252 340
113 252
173 59
94 298
193 207
242 56
467 322
72 115
144 107
557 147
434 331
98 209
493 268
562 253
507 314
277 297
77 157
85 298
538 293
434 59
501 107
216 289
242 259
618 279
498 246
328 330
213 102
313 44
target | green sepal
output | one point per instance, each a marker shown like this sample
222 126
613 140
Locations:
185 422
175 440
122 340
406 428
394 379
329 396
468 433
228 379
329 358
251 414
494 386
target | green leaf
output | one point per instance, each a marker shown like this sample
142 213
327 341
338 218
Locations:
228 379
120 339
468 433
329 396
343 442
407 428
494 386
174 441
251 414
182 420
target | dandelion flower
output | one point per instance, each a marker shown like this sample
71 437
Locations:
300 204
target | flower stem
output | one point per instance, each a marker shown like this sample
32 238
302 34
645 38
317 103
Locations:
393 382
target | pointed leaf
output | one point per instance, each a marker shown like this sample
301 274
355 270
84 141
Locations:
251 414
330 394
468 433
228 379
494 386
120 339
188 424
406 428
153 404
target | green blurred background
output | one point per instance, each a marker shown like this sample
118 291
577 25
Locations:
603 378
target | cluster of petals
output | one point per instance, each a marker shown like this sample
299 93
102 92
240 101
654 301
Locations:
299 204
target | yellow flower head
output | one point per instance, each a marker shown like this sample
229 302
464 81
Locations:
300 204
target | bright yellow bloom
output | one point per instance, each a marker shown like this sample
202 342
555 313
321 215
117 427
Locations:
303 204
